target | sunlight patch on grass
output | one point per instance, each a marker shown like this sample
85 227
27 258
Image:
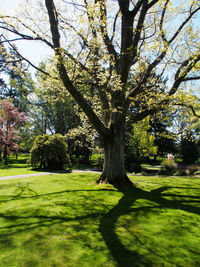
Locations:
15 171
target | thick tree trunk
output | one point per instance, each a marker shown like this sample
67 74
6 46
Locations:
114 166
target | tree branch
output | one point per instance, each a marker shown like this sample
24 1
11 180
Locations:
183 24
183 71
161 23
114 26
8 27
28 61
136 8
190 107
98 125
104 33
138 29
191 78
91 20
163 54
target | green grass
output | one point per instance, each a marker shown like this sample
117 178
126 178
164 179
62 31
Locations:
9 171
16 166
68 220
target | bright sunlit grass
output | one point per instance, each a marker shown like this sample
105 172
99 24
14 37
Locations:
15 171
16 166
68 220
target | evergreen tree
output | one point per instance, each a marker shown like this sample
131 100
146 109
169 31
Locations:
16 82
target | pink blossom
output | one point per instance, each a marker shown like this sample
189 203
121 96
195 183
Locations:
10 120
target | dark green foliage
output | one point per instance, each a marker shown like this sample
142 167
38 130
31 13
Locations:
80 147
132 163
50 152
189 151
186 169
164 139
140 145
99 163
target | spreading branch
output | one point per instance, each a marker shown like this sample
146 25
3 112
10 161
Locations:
98 125
104 32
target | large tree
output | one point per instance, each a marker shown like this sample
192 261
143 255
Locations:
117 45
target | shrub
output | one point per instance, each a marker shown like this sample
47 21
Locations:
168 167
180 172
100 162
50 152
191 169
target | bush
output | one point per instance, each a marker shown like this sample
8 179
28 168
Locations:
50 152
168 167
180 172
191 169
100 162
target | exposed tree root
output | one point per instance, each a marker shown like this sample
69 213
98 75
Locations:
121 183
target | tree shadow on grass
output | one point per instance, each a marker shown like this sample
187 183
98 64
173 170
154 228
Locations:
24 191
122 255
32 215
26 220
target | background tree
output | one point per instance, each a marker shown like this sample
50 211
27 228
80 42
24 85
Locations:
162 130
140 145
81 142
115 44
58 108
16 82
28 133
189 150
185 125
10 120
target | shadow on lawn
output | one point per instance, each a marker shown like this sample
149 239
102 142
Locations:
108 220
120 253
28 219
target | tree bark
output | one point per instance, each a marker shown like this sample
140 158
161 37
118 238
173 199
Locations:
114 166
5 156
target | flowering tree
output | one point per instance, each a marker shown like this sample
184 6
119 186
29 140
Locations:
10 120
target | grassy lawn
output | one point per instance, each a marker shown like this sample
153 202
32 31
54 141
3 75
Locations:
68 220
9 171
19 166
16 166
